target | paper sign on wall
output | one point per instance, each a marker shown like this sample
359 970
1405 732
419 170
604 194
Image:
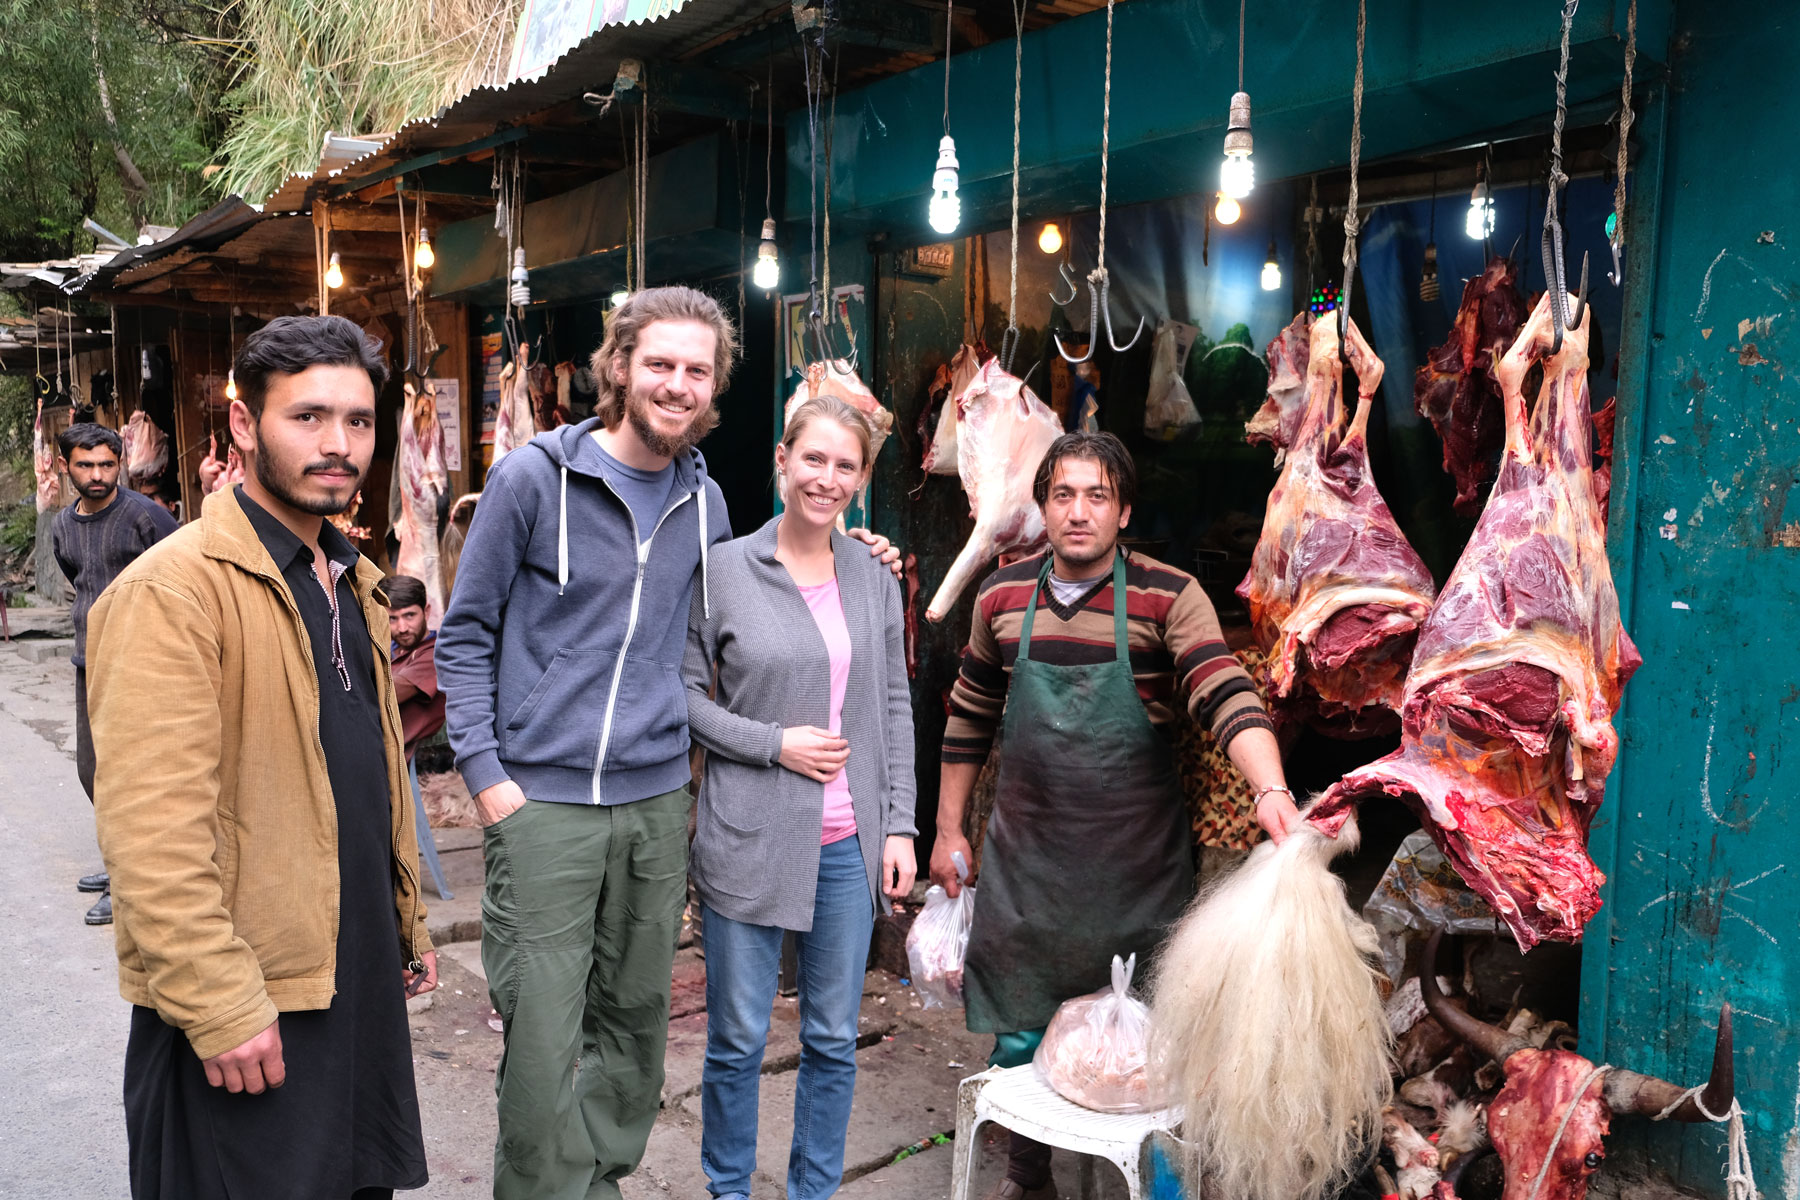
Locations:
449 411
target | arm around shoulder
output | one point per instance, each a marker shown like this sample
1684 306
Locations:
902 783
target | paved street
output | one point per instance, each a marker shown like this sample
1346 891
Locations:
64 1027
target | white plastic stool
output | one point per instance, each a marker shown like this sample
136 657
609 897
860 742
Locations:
1019 1099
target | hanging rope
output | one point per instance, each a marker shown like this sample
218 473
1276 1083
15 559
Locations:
1009 341
1563 318
1625 118
1351 223
1740 1180
825 225
812 56
1105 146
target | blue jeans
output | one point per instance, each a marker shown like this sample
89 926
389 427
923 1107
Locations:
742 966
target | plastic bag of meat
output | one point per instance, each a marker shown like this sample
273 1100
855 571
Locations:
1097 1048
938 940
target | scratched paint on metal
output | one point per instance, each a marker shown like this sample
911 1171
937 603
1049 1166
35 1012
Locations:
1705 849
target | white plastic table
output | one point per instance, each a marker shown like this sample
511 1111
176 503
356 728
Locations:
1019 1099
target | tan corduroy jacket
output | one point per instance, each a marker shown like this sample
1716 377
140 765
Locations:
211 795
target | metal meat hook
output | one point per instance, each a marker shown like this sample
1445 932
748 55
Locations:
1562 318
821 337
1106 311
1068 277
1093 324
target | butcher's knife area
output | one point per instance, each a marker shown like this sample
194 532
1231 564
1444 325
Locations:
1396 809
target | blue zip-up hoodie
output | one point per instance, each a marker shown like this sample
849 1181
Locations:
560 655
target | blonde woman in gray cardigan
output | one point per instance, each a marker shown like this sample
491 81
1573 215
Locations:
806 810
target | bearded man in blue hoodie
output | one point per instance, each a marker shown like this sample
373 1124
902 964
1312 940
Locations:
560 658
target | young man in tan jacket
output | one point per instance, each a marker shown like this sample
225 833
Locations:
253 807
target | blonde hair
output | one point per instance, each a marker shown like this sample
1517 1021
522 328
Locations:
627 324
830 408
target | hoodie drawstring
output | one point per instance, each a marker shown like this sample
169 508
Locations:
562 534
705 588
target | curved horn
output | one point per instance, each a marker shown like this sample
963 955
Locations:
1627 1091
1492 1041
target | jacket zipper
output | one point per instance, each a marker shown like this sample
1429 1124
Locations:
637 595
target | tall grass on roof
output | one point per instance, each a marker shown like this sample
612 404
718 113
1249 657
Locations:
350 67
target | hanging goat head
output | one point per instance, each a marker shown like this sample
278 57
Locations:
1551 1118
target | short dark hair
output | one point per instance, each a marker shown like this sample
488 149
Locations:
403 591
86 435
289 345
1102 448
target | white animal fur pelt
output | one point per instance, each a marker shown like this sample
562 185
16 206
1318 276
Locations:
1267 1026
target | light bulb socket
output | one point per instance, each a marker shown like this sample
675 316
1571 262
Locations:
768 231
1272 261
1237 126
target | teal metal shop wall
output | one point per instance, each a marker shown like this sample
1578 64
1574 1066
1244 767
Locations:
1698 834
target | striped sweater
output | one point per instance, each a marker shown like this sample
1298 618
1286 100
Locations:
1174 635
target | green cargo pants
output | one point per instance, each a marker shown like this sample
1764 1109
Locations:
578 926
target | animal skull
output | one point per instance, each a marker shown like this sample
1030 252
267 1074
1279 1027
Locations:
1549 1092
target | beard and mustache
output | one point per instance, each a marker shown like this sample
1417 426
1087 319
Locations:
637 412
282 481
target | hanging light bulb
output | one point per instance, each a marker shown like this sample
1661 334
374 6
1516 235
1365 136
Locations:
1237 176
1227 210
767 272
1051 239
231 384
1271 272
334 273
520 292
1428 280
423 257
946 208
619 297
1480 221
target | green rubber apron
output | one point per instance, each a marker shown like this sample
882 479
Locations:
1089 852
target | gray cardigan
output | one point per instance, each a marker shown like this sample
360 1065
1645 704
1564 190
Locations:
756 845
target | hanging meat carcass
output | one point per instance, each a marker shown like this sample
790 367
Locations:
1278 421
146 449
217 474
1335 591
514 424
1550 1121
953 378
1456 389
423 481
832 379
43 463
1003 431
1507 720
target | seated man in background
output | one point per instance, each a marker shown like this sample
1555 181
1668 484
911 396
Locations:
415 673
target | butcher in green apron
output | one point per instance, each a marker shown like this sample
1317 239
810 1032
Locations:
1080 655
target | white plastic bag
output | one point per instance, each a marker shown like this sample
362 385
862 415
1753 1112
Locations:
1097 1048
1168 409
939 939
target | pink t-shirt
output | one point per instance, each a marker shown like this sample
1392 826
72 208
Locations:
828 613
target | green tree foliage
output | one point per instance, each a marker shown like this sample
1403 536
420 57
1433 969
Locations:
61 156
303 68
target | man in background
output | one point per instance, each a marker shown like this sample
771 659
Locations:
415 670
94 539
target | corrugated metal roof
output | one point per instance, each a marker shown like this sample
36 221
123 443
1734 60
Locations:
589 63
217 225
